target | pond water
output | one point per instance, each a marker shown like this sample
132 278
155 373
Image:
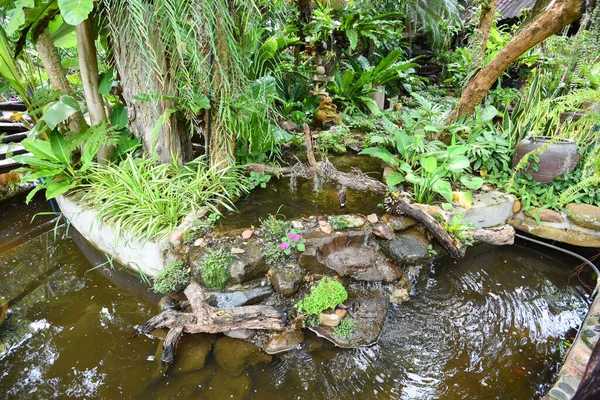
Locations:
488 327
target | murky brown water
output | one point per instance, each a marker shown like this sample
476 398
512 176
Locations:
487 328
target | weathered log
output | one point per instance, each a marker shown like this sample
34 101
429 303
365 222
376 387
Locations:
500 236
207 319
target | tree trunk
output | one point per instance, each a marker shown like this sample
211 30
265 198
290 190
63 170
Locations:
155 121
57 74
559 14
486 19
88 67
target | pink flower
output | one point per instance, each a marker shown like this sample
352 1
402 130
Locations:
10 272
284 246
290 235
297 238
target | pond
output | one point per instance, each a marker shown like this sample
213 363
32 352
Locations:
487 327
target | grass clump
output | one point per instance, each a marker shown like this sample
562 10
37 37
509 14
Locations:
272 230
345 329
327 294
150 199
172 279
214 267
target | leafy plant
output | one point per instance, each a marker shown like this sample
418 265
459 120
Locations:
272 230
334 139
292 241
175 277
214 267
345 329
259 180
327 294
457 228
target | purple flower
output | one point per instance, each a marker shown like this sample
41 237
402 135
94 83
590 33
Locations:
284 245
252 183
297 238
290 235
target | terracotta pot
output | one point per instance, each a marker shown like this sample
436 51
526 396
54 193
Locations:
559 158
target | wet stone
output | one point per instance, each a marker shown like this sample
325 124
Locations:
584 215
284 342
286 281
238 298
557 394
234 355
242 334
339 222
332 319
226 386
399 224
192 351
383 231
412 247
565 387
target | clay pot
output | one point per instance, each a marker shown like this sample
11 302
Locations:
559 158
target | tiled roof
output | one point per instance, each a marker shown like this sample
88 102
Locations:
513 8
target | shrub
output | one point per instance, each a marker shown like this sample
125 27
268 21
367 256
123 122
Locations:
172 279
214 268
345 329
327 294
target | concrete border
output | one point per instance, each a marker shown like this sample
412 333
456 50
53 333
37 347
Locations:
149 257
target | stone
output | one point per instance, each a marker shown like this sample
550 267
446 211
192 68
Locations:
288 126
247 234
297 225
283 342
399 224
192 351
383 230
516 206
286 281
235 355
238 298
372 218
411 247
226 386
242 334
362 264
489 209
339 222
166 303
176 237
326 229
545 214
575 237
322 222
584 215
332 319
368 308
400 291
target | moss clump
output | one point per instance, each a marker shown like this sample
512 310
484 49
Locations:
172 279
327 294
345 329
272 230
214 267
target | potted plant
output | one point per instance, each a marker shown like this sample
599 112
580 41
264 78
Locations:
547 157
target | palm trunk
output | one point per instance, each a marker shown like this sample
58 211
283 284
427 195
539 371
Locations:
88 67
57 74
486 19
559 14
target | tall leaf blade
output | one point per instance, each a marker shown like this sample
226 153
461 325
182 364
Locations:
75 12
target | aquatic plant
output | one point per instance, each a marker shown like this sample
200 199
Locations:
214 267
327 294
175 277
345 329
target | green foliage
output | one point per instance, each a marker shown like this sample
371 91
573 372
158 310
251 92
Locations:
334 139
457 228
175 277
214 267
201 227
272 230
326 295
75 12
259 180
292 241
345 329
150 199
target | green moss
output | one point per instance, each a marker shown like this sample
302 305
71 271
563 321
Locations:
338 222
345 329
175 277
327 294
272 230
214 267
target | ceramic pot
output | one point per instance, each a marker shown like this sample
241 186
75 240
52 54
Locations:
558 159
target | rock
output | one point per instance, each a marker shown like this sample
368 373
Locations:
283 342
242 334
386 171
400 291
165 303
347 259
235 355
430 209
297 225
176 237
383 230
516 206
320 70
368 308
238 298
545 215
288 126
372 218
332 319
399 224
322 222
286 281
583 237
411 247
226 386
339 222
247 234
326 229
192 351
584 215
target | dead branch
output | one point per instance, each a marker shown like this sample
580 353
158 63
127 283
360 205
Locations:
207 319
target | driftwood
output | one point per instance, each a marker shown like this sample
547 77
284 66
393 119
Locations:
400 203
207 319
501 236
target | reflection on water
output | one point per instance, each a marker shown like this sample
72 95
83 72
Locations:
487 327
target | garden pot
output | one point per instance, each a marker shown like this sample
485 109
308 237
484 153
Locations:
559 158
